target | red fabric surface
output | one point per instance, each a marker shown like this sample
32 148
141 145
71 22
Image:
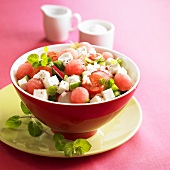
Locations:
142 32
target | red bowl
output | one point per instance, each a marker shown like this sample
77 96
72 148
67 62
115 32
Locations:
76 120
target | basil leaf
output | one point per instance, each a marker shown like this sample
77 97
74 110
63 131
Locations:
13 122
35 128
33 58
81 146
69 149
25 109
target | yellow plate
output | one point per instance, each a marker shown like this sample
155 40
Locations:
109 136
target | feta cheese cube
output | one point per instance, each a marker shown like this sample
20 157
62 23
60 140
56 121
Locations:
22 83
82 51
41 93
42 74
73 78
113 68
122 70
51 81
63 86
86 80
108 94
96 98
65 58
86 73
91 68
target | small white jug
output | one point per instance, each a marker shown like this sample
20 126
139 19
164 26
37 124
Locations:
58 22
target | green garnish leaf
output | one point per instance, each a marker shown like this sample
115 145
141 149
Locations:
44 59
35 128
25 109
36 64
52 90
81 146
46 49
69 149
33 58
117 93
59 142
13 122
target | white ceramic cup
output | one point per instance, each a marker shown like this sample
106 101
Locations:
97 32
58 22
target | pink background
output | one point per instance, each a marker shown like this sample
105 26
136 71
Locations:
142 33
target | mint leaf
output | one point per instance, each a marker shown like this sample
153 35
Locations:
59 142
25 109
52 90
35 128
44 59
46 49
69 149
33 58
13 122
81 146
36 64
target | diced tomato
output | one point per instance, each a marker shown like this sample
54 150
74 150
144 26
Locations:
54 55
95 86
36 70
34 84
23 70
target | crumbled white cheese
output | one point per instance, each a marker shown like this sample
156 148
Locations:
41 93
42 74
22 83
108 94
63 86
73 78
51 81
65 58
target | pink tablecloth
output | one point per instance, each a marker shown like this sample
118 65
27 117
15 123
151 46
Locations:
142 33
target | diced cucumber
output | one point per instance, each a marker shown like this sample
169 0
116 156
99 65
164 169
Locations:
88 60
102 63
110 83
117 93
74 85
119 61
114 87
59 65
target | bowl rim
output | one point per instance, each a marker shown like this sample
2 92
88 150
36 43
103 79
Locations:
12 76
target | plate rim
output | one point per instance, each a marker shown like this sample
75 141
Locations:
90 153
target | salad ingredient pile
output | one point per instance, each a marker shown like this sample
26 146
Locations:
78 74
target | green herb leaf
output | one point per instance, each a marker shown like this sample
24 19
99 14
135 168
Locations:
33 58
13 122
46 49
81 146
59 142
25 109
35 128
52 90
69 149
36 64
44 59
